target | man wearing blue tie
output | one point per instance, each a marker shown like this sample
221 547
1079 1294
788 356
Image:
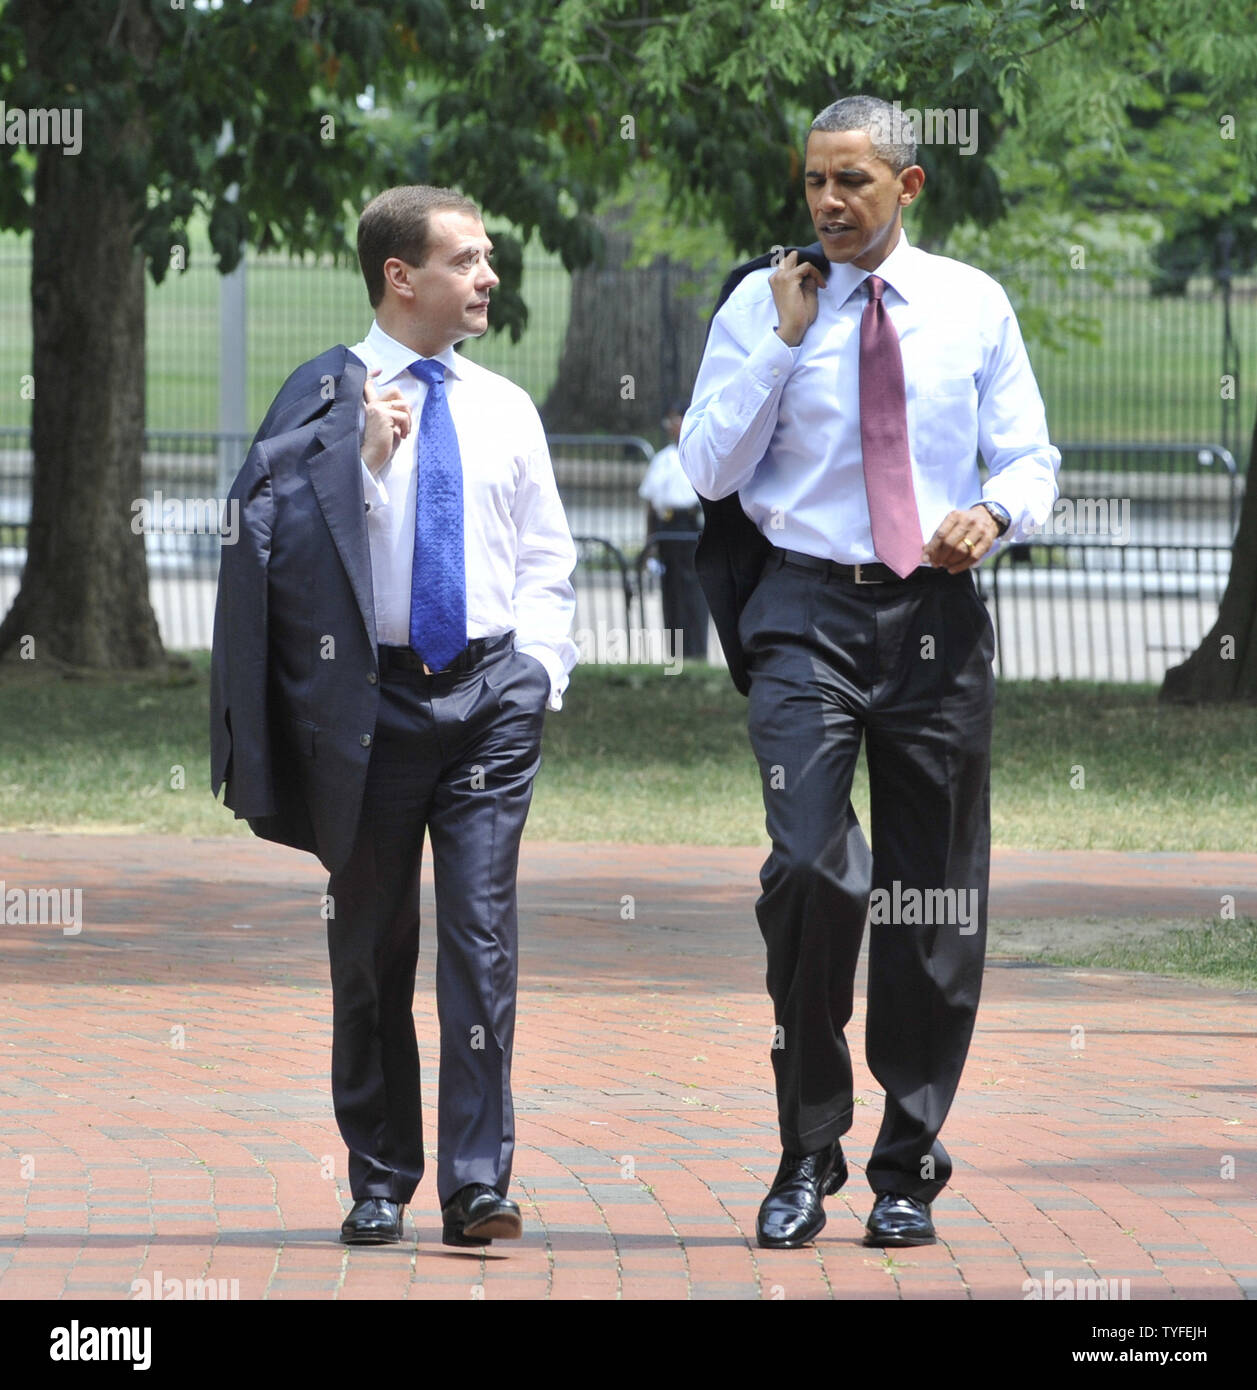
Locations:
390 631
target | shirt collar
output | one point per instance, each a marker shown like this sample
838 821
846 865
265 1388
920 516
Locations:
394 358
898 270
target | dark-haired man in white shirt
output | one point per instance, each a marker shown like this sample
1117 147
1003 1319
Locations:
835 427
390 630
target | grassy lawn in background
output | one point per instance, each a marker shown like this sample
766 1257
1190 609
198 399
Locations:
1222 953
640 756
1151 377
295 312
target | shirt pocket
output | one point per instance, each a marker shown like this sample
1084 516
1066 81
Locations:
491 479
946 388
943 418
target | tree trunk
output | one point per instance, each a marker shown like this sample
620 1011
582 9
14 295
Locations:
1224 667
84 594
634 341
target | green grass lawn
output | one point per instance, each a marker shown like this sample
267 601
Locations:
1153 376
295 312
1223 953
640 756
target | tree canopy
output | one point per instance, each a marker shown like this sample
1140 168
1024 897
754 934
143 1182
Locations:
274 120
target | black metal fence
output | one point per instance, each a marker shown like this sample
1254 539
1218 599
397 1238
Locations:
183 514
1102 612
1123 581
1148 367
1126 576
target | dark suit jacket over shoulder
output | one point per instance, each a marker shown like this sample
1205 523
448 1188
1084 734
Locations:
294 680
732 551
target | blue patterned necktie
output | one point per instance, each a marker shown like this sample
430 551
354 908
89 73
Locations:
438 583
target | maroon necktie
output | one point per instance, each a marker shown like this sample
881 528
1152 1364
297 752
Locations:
893 516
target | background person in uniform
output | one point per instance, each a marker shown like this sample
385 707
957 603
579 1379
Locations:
673 505
390 628
843 398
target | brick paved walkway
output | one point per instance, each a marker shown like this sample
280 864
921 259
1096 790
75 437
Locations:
166 1104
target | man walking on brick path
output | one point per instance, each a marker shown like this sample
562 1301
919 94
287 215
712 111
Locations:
835 427
390 629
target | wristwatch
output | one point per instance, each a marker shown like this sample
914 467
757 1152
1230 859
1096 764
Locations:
1002 519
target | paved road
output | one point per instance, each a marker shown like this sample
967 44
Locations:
165 1100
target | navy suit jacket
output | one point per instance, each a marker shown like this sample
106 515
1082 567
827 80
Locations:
294 672
731 553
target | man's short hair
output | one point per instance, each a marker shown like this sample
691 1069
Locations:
889 131
396 224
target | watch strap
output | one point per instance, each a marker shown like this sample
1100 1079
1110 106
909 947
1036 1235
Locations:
1002 519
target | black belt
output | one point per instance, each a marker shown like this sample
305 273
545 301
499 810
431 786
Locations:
854 574
406 659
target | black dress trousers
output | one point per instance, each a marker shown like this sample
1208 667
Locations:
453 756
684 604
907 667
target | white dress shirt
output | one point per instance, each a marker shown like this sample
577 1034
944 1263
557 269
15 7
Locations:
665 486
781 425
517 547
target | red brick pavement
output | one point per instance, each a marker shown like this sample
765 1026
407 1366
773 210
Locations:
167 1114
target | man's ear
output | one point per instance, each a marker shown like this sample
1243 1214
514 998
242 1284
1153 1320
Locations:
911 182
397 278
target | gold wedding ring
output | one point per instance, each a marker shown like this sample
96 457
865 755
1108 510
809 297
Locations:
968 544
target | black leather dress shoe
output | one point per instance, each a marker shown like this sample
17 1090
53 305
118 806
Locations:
477 1214
899 1220
793 1213
373 1221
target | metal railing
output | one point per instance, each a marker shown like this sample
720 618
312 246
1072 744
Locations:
1150 370
598 476
186 475
604 595
1169 493
1126 576
1113 592
1105 613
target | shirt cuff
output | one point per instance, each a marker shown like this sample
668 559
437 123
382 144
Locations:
771 360
554 667
374 493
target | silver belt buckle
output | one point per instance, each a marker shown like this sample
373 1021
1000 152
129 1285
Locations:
860 580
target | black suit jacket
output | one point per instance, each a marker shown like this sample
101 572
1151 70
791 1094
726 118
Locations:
732 550
294 678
